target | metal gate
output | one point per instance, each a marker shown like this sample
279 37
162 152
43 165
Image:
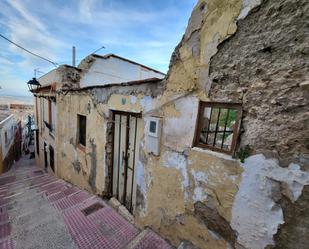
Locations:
126 137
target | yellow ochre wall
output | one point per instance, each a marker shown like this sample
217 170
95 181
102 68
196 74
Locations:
185 193
168 185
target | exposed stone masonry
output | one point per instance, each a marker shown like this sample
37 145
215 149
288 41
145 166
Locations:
262 66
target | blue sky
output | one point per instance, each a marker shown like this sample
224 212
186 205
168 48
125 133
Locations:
146 31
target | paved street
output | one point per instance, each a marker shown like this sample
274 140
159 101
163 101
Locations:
38 210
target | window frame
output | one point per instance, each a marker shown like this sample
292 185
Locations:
78 130
199 125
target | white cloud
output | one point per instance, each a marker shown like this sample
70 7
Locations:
86 8
5 62
139 30
26 15
30 32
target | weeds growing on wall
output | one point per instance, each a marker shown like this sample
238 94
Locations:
243 153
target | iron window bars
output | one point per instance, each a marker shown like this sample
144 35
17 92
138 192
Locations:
218 126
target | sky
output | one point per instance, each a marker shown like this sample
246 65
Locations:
146 31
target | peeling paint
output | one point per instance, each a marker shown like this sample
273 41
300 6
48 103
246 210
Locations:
178 161
146 103
247 6
179 129
187 194
133 99
255 214
140 177
77 166
200 178
93 168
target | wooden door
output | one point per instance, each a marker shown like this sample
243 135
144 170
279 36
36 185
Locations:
126 130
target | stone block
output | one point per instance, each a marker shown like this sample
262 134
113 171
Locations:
114 203
126 214
186 245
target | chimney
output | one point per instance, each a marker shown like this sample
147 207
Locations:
73 56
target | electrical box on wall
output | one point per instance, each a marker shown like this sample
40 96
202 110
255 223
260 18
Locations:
153 135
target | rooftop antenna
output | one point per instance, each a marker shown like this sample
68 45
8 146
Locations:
98 50
36 71
73 56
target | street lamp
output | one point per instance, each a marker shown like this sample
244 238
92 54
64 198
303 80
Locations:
33 85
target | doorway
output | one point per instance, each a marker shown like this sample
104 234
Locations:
127 133
45 156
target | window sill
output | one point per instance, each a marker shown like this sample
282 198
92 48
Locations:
81 147
214 153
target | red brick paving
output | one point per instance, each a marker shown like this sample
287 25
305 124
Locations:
7 244
103 228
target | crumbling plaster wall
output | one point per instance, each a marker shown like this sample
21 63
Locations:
198 195
258 210
64 77
192 194
264 66
59 80
89 167
85 168
168 186
183 181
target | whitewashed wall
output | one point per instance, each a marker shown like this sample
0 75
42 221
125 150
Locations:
7 125
115 70
51 77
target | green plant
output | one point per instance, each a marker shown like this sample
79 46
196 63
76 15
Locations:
243 153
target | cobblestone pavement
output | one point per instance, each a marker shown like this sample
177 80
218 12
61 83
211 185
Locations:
38 210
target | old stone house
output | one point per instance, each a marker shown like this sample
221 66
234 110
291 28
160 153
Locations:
237 86
94 71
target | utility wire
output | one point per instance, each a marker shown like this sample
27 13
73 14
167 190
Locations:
5 38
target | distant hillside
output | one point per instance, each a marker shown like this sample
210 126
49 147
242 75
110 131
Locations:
16 100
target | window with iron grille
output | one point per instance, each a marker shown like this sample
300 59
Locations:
82 123
218 126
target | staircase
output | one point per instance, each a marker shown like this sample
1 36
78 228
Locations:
38 210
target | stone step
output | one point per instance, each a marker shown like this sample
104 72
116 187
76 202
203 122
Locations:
186 245
148 239
145 239
134 243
